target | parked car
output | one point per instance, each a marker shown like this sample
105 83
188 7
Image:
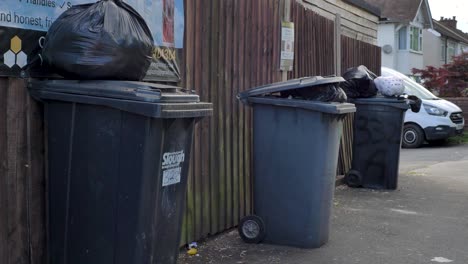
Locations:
438 119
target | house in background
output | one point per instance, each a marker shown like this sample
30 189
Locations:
400 32
444 42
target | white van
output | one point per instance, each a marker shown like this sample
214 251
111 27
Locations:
438 119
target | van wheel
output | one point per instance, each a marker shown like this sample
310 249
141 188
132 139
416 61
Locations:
413 136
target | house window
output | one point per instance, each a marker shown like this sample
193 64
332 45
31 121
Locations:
402 38
450 50
443 52
415 39
420 39
459 49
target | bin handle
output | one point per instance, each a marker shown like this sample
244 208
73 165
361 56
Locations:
303 81
413 101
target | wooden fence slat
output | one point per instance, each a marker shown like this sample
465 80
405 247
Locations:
228 101
264 39
22 175
242 83
198 133
277 44
214 169
221 117
234 112
205 124
4 249
36 177
17 180
251 82
214 155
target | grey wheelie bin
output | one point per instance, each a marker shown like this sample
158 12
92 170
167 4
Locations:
378 126
118 155
295 154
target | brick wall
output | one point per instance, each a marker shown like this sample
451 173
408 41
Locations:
462 102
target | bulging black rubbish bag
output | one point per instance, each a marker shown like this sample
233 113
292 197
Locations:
104 40
359 82
324 93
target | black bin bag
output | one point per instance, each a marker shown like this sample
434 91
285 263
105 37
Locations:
324 93
359 82
103 40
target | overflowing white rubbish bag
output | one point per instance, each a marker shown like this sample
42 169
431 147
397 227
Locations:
390 85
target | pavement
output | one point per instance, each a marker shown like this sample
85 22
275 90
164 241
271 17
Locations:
424 221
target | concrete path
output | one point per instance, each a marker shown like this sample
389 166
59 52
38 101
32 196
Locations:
424 221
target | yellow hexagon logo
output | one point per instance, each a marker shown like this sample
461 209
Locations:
16 44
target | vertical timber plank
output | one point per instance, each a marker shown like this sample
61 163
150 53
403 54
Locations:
18 225
205 123
196 179
214 94
228 101
243 55
36 177
3 172
235 113
221 112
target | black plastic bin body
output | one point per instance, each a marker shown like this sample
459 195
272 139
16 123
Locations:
295 155
377 130
117 170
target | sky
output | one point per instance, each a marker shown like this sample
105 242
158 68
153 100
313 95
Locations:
450 8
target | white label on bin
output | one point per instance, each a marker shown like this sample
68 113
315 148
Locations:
171 166
171 176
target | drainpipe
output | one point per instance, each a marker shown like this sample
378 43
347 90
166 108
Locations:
446 48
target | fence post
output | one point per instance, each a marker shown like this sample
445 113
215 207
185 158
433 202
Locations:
338 45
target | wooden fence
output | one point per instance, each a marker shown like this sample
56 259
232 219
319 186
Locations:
314 43
230 46
355 53
22 176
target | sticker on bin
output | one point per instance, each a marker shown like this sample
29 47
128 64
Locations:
171 167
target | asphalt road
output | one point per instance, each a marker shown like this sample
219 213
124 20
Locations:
424 221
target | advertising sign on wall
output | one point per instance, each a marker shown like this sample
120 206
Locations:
287 46
23 23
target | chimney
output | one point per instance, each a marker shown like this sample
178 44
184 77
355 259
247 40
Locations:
449 22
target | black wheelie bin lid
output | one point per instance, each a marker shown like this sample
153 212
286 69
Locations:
148 99
266 95
395 102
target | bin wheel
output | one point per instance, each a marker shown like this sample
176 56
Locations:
252 229
353 179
